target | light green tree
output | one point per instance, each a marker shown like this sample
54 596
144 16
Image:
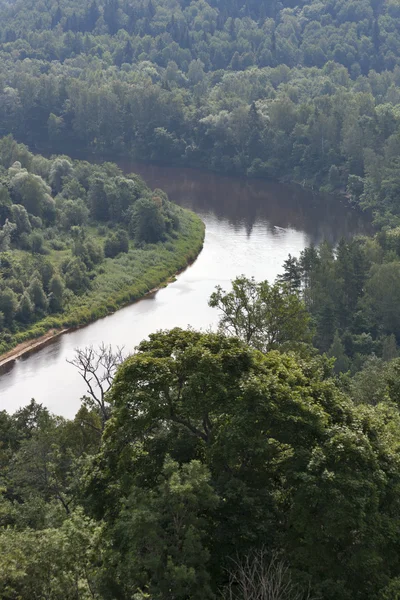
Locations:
263 315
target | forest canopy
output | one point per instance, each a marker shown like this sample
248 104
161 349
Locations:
306 91
261 461
210 451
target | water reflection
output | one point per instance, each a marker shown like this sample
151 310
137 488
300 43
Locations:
244 203
251 228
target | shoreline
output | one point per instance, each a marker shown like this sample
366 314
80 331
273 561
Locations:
36 344
29 345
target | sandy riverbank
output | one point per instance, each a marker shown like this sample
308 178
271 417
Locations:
26 347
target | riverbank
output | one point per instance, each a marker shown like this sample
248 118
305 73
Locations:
122 281
29 346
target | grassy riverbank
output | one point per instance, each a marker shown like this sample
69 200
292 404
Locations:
80 240
123 280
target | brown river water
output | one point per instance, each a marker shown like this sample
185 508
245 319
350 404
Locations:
251 227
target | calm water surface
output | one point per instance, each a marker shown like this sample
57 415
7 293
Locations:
251 227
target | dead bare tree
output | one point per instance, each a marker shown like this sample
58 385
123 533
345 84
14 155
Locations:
259 577
97 367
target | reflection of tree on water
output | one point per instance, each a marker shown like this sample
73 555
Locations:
243 203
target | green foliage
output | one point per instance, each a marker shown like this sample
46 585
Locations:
73 213
383 290
8 305
147 224
293 465
337 351
26 308
58 564
29 190
5 204
56 293
52 266
166 530
20 217
36 243
37 295
60 168
213 449
116 243
262 315
307 92
6 233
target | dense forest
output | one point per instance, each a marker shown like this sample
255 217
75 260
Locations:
306 91
78 240
260 462
215 468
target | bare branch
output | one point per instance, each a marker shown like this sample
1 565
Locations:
259 577
97 367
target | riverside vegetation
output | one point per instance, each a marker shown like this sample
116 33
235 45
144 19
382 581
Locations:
262 461
216 466
77 241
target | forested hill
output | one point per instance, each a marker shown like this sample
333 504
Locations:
306 92
214 467
360 34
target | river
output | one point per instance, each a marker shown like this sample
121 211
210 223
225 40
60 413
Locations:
251 227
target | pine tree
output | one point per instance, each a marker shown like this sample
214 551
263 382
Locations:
92 16
56 17
389 348
292 273
111 16
336 351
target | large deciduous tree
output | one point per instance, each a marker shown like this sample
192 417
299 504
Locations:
263 315
293 466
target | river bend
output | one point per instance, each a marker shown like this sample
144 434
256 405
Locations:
251 227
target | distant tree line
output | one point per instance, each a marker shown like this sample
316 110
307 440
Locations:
306 91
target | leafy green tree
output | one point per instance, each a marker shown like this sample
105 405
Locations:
262 315
389 348
369 385
383 297
73 213
166 530
56 293
59 564
55 126
88 251
20 217
26 308
31 191
6 233
60 168
36 242
8 305
37 295
289 463
76 277
5 204
116 243
98 200
147 223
